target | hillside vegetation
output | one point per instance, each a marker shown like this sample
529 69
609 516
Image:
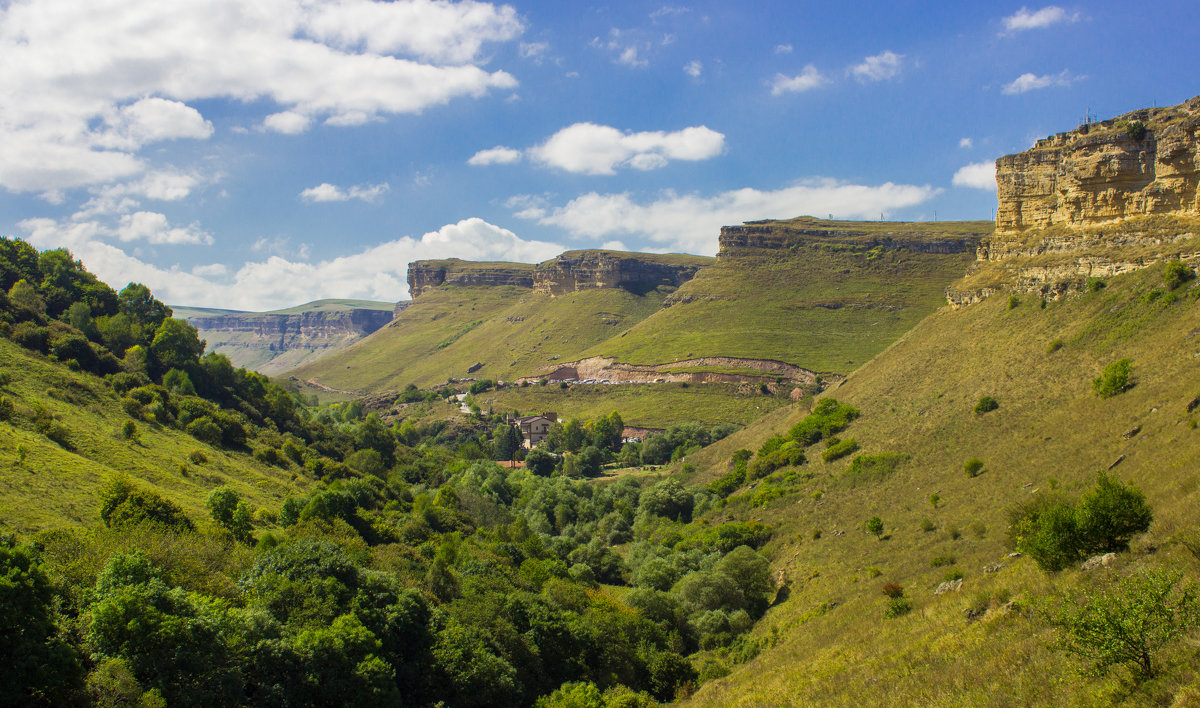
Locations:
988 643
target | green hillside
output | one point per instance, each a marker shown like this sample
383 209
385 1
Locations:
988 643
509 330
44 485
826 297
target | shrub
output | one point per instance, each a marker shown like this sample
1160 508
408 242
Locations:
897 607
893 590
1013 301
31 336
1129 624
940 561
7 409
839 448
59 434
927 525
1055 532
121 504
1135 129
204 430
1054 346
1114 379
129 430
973 467
986 404
197 457
1177 273
874 525
935 499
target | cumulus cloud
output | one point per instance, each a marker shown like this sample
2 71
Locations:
692 222
693 69
806 80
88 85
880 67
533 51
326 192
593 149
377 273
1026 19
1032 82
498 155
783 49
977 175
966 143
153 228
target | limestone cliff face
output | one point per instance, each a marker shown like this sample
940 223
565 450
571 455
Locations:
570 272
1143 162
936 237
1102 200
273 342
424 275
639 273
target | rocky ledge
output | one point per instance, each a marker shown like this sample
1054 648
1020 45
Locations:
919 237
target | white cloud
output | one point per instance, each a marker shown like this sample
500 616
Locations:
806 80
1024 19
692 222
123 197
783 49
533 50
977 175
628 46
377 273
966 143
498 155
153 227
287 122
87 85
1032 82
629 57
879 67
600 149
693 69
326 192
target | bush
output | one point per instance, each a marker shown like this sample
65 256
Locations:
1177 273
893 590
940 561
1054 346
7 409
204 430
897 607
872 468
973 467
1013 301
839 448
1114 379
197 457
32 337
927 525
1055 532
986 404
874 525
1095 285
129 430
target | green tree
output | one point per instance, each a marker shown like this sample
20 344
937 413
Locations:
228 510
25 296
1131 623
1116 378
121 504
136 303
176 345
36 666
540 462
874 526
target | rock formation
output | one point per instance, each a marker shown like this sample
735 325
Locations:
570 272
919 237
1101 200
1144 162
271 342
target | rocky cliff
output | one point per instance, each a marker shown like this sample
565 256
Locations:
570 272
1143 162
423 275
918 237
271 342
1101 200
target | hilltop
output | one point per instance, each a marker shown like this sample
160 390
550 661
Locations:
800 301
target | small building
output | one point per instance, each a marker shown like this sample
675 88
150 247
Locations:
534 428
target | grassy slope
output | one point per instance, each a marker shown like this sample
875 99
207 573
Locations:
510 330
53 487
330 305
917 398
650 405
820 308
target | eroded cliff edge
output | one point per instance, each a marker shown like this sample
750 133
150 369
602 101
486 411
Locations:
572 271
1103 199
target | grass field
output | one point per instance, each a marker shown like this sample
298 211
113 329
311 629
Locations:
829 644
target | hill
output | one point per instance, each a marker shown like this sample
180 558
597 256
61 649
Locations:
271 342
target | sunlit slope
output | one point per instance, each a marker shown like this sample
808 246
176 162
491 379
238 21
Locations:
825 296
507 329
831 643
43 485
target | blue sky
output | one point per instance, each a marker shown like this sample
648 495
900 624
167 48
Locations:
254 156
